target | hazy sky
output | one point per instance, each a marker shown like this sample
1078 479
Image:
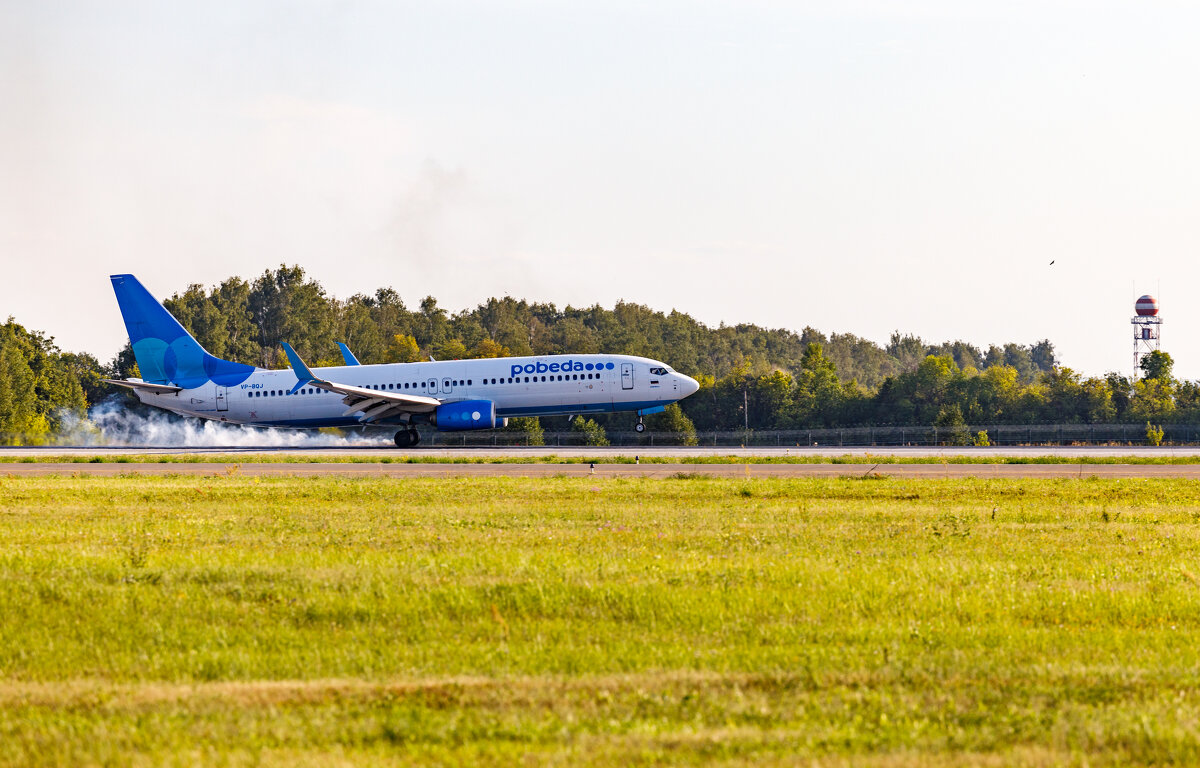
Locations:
854 166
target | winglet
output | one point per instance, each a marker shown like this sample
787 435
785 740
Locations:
347 355
304 375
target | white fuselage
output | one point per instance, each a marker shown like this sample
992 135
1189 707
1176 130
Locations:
519 386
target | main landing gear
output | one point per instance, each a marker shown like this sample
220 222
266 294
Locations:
639 427
407 438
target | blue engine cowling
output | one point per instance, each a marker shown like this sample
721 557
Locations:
465 414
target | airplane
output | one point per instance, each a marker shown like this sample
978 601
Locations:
178 375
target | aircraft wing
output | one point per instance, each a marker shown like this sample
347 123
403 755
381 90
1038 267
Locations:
374 404
158 389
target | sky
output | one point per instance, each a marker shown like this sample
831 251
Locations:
860 166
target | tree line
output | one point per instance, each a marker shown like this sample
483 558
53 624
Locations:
751 377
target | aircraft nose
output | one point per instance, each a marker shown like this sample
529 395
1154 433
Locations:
688 385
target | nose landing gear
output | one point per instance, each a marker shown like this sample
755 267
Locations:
639 427
407 438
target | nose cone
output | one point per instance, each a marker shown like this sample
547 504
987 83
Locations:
688 385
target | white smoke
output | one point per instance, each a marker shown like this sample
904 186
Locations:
111 423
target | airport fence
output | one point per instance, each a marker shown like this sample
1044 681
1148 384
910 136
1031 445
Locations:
913 435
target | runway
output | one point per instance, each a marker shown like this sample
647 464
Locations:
731 470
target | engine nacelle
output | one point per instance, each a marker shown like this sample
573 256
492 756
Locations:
465 414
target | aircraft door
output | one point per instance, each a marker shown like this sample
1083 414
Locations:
447 386
222 398
626 375
432 387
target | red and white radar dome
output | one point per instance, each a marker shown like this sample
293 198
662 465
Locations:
1147 306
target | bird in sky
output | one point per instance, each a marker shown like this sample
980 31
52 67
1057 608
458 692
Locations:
1052 262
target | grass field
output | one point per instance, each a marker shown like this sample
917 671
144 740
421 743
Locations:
328 621
631 457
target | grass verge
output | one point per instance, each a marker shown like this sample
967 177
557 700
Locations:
381 457
232 620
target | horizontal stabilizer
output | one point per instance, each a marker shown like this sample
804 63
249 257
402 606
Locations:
145 386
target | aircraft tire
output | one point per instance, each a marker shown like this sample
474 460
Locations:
639 427
405 438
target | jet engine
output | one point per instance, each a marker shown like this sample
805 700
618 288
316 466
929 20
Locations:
465 414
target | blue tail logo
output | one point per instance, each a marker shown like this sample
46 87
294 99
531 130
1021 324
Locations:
166 353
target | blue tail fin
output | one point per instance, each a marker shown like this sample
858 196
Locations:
166 353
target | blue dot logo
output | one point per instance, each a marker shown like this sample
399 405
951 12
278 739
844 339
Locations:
609 366
588 366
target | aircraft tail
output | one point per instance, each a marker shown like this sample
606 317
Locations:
166 353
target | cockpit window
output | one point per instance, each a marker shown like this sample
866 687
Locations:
659 371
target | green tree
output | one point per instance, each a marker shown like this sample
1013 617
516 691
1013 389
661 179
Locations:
451 349
673 421
1157 365
19 417
529 427
196 312
287 307
952 427
54 389
593 433
360 331
908 351
232 299
1153 400
486 348
818 394
403 349
88 372
772 405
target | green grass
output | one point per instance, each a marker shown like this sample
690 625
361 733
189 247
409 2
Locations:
575 621
632 456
